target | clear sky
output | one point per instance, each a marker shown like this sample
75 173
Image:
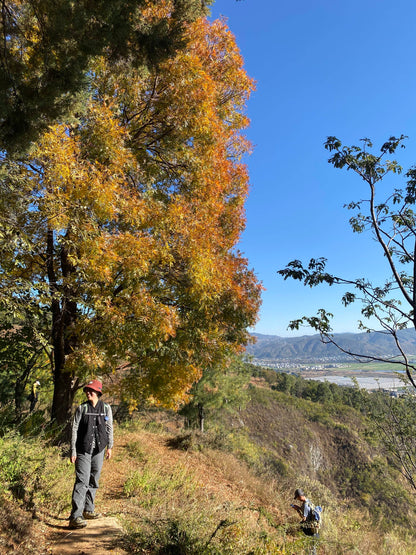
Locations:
322 67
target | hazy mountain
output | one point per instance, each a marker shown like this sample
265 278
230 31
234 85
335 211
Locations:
310 347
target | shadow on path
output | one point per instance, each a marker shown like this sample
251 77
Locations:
100 537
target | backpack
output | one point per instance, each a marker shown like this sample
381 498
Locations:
106 409
314 519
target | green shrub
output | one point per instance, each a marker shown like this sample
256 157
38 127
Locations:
33 473
203 534
378 488
215 438
168 537
135 451
152 483
274 465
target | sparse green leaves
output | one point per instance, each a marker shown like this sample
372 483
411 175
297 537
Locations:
320 323
411 186
370 167
348 298
392 223
368 310
358 223
332 143
391 145
313 275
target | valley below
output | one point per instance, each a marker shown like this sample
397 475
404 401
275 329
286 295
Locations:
310 358
367 376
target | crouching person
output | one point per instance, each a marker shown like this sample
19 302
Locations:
310 518
92 432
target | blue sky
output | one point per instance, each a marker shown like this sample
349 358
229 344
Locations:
321 68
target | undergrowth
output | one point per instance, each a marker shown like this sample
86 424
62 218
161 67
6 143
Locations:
181 511
228 490
33 473
33 480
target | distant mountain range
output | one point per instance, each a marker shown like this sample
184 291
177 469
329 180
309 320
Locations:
310 347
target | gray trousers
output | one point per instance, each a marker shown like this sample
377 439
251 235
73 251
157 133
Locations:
87 471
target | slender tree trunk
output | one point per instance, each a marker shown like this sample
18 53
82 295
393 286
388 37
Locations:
21 381
64 312
414 287
201 417
19 389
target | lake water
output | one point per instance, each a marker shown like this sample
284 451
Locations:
364 382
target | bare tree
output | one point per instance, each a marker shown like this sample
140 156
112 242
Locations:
392 222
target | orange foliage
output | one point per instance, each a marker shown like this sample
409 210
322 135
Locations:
145 199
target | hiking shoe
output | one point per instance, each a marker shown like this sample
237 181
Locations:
91 515
78 522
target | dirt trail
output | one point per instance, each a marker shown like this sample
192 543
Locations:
100 537
103 535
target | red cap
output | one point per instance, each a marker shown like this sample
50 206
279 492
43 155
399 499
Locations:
95 385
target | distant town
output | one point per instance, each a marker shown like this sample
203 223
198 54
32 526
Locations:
291 364
371 377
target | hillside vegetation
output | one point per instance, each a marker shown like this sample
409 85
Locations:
228 490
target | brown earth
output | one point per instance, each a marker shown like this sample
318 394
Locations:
100 536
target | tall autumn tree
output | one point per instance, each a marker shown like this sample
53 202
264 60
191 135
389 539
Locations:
129 218
47 47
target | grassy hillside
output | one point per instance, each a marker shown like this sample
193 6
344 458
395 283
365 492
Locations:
177 491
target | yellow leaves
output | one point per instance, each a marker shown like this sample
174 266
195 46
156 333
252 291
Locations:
161 388
103 138
147 195
191 94
155 11
88 357
131 251
85 173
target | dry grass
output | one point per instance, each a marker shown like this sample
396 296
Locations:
206 499
177 492
16 527
203 500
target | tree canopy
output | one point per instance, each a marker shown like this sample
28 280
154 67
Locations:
123 223
48 45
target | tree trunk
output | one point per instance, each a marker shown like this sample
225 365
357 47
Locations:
201 417
64 382
64 311
19 389
63 396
